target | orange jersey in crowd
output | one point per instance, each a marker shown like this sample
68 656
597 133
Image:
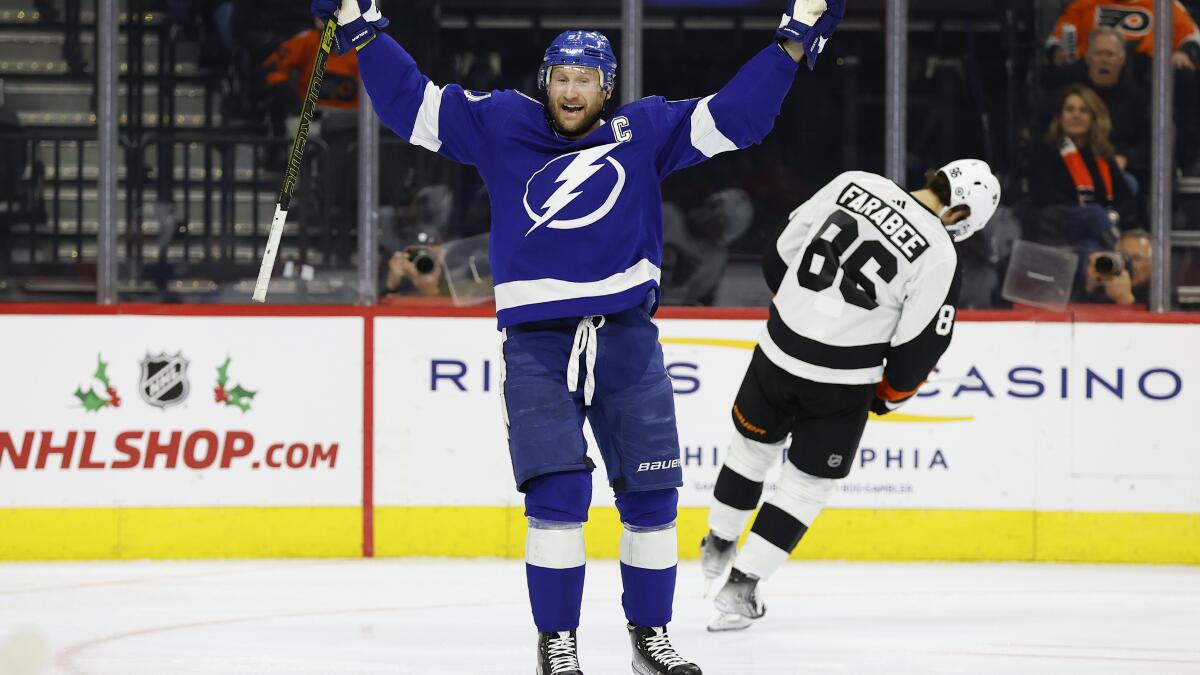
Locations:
294 60
1133 18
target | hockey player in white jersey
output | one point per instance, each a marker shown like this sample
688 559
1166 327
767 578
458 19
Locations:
866 279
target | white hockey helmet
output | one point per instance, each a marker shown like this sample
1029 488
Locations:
971 184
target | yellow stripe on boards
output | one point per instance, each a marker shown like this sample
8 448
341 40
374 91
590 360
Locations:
450 531
1119 537
710 342
904 418
499 531
839 534
194 532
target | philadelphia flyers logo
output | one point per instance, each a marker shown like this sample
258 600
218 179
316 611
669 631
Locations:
338 88
1132 21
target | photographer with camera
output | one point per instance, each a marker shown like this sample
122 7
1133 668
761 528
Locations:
417 269
414 255
1122 276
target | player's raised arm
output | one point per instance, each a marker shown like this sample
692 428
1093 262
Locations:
447 120
743 112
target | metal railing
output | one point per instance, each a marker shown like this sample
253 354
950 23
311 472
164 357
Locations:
204 212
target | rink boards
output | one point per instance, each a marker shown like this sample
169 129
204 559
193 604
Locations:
150 432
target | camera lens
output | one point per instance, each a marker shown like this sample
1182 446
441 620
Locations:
424 263
1105 265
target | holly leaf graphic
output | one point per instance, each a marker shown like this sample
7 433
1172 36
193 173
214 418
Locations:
90 400
223 373
240 397
102 371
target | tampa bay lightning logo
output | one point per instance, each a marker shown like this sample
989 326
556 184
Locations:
590 174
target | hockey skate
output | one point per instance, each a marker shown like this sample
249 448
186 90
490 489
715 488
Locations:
654 655
738 604
715 555
558 654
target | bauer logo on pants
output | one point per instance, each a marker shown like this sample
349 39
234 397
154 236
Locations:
164 380
659 466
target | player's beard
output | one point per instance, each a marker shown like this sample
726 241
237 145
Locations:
580 123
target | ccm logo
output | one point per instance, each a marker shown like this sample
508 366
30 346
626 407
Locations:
655 466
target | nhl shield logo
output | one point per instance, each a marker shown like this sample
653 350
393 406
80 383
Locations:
164 380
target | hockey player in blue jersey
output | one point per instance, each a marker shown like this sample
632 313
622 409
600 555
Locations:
576 251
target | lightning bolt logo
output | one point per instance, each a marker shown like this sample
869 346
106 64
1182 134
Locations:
581 167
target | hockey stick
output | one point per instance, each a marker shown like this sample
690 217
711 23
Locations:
292 172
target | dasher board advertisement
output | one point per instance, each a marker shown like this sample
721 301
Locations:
1018 415
158 411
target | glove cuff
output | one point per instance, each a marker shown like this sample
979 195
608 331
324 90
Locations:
885 391
354 35
808 36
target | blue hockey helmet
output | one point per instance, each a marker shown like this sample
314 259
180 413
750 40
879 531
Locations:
581 48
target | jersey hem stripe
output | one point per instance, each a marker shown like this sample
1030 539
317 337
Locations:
808 371
817 353
575 307
513 294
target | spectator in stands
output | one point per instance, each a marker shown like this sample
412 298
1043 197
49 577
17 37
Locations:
249 32
1134 19
1122 276
1103 70
289 68
696 245
1074 178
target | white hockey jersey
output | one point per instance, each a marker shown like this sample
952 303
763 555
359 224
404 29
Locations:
866 281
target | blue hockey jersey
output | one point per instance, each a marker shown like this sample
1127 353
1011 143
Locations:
576 224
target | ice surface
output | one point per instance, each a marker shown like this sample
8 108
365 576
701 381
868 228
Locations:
471 616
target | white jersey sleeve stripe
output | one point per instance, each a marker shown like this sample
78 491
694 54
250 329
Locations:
425 128
519 293
706 137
